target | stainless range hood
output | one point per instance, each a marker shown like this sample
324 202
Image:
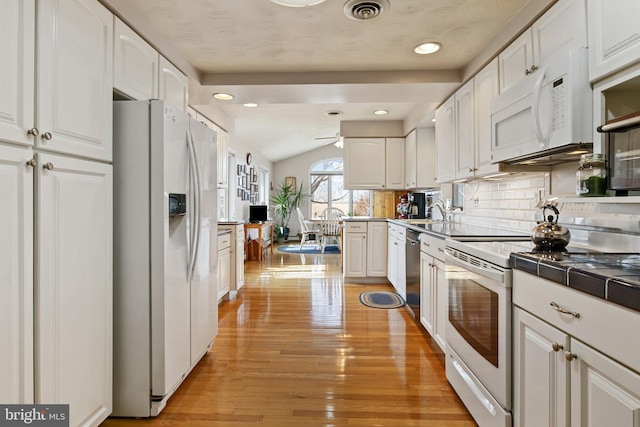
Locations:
552 156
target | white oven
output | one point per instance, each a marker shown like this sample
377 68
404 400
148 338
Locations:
478 359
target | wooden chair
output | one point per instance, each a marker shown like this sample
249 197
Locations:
307 232
330 226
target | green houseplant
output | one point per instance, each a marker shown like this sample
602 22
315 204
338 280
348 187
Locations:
286 198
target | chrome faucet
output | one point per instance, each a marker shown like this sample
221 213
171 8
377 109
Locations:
440 205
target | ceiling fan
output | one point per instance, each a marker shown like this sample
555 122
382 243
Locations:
337 140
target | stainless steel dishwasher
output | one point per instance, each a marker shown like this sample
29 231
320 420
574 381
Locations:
412 268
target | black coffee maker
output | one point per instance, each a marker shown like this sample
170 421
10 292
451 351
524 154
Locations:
417 206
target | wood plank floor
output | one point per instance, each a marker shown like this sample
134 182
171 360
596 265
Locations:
297 348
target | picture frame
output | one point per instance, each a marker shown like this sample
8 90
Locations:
291 181
238 169
240 192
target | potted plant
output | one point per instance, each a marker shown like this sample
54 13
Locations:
286 198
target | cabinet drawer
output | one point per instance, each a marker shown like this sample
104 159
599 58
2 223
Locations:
224 241
355 226
601 324
432 246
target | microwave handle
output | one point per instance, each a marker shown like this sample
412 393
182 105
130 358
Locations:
535 108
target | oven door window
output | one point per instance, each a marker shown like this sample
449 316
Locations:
473 312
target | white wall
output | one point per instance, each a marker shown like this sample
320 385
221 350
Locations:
299 166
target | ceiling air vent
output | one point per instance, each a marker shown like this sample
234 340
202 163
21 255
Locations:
363 10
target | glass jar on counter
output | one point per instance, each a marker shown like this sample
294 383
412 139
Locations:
591 176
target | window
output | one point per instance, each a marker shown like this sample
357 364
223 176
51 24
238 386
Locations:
264 186
327 190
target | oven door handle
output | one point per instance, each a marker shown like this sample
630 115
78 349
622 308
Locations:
497 275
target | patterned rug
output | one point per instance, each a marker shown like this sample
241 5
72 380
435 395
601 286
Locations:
380 299
309 249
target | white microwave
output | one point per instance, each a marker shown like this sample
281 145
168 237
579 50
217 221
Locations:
548 112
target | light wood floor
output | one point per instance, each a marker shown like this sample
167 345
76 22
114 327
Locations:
297 348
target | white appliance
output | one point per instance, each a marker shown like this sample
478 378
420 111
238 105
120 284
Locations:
165 255
547 113
478 354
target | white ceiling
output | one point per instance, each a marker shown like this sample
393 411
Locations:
298 63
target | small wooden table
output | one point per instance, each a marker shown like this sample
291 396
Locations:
262 243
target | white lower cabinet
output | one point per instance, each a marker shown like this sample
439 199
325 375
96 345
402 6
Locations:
16 276
224 265
396 259
567 369
74 287
236 267
434 298
365 250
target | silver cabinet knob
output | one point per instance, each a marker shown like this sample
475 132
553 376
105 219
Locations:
47 136
48 166
570 356
557 347
33 132
32 163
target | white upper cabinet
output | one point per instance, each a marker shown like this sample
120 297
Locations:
174 85
135 64
410 160
16 267
425 158
223 161
16 73
394 164
614 36
562 27
465 130
74 75
446 142
364 163
485 85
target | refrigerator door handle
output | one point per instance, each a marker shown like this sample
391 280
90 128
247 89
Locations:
196 220
192 237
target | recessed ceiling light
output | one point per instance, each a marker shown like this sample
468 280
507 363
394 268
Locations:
298 3
381 112
223 96
333 113
427 48
250 104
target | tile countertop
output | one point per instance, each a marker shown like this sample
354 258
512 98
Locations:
614 277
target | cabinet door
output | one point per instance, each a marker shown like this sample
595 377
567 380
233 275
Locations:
561 28
17 70
427 301
223 161
614 36
74 286
239 257
485 85
135 64
392 259
174 85
603 392
446 142
224 272
75 78
515 60
355 254
540 372
394 163
442 303
377 249
465 131
16 272
410 160
364 163
425 158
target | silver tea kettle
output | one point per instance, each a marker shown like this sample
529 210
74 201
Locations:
548 235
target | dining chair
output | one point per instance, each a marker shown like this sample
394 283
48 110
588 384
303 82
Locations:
330 226
308 234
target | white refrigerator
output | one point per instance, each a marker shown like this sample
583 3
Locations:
165 252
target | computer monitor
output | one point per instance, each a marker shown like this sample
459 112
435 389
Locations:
257 213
